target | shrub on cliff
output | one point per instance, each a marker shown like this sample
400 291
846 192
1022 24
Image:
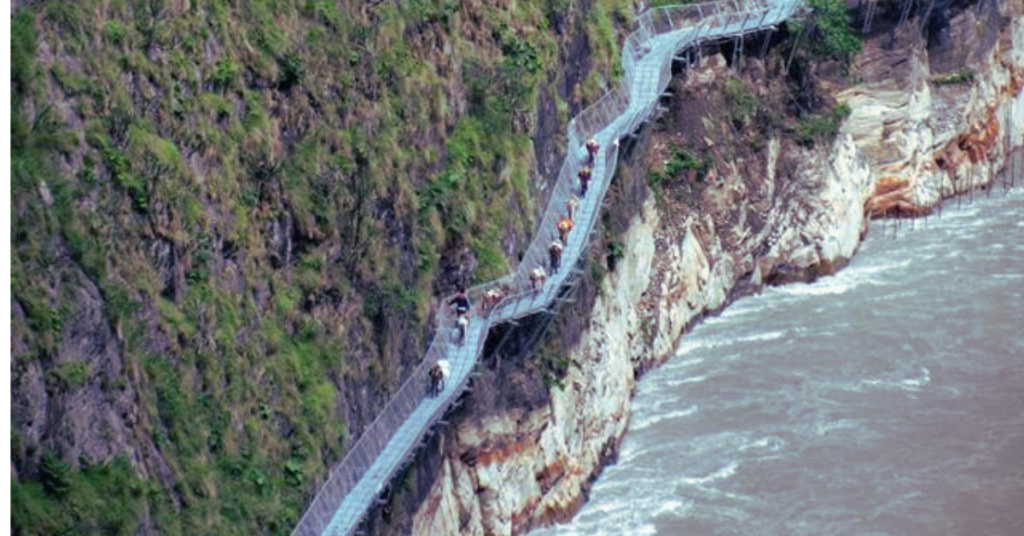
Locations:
821 128
828 29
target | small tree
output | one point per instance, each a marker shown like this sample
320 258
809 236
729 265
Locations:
829 31
53 473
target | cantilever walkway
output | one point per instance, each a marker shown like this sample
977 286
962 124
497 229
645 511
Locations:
388 443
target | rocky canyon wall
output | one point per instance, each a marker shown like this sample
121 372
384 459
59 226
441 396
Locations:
928 119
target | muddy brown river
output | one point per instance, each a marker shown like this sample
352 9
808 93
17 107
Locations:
885 400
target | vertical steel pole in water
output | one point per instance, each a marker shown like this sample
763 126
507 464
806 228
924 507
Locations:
991 182
1013 161
959 200
1009 149
970 186
955 192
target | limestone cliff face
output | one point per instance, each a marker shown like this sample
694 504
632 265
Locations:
907 145
928 138
507 472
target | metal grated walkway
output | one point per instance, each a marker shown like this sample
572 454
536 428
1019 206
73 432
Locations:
387 444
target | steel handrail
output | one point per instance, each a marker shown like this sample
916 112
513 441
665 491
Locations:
624 107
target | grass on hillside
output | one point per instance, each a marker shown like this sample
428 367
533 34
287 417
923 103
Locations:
201 130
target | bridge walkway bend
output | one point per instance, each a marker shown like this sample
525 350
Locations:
389 441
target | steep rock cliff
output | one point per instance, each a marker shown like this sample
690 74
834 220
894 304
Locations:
233 223
933 114
773 214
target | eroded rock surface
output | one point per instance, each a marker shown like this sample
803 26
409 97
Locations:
908 144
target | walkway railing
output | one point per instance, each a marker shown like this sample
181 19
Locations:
647 54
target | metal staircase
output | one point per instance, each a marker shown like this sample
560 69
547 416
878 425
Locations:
388 443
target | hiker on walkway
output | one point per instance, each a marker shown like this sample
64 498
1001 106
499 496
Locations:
571 205
461 327
537 278
584 176
460 301
593 146
555 252
493 296
436 379
437 373
564 226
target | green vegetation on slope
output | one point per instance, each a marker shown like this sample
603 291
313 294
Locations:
963 76
828 29
261 193
105 499
821 127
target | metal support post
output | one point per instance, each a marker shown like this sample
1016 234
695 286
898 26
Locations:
764 46
796 44
907 4
868 16
927 14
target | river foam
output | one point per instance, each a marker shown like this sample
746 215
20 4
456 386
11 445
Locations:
882 400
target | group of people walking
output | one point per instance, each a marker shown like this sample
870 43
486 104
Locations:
566 222
440 369
460 302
